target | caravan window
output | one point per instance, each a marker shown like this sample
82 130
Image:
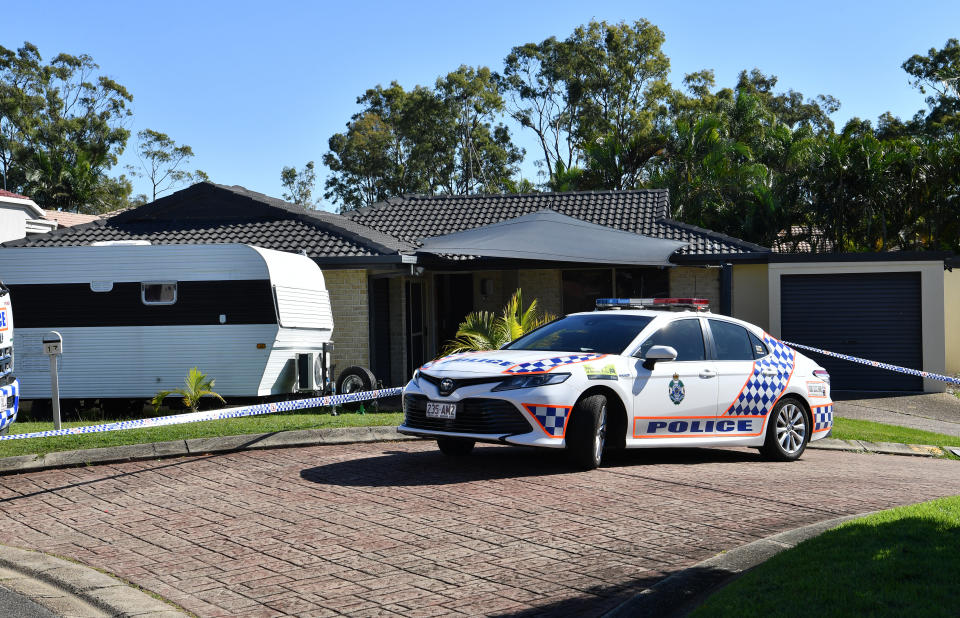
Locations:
158 292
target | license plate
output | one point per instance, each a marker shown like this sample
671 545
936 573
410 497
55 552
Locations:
441 410
3 402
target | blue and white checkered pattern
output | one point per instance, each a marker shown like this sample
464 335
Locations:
553 419
823 417
213 415
11 393
879 365
545 365
762 391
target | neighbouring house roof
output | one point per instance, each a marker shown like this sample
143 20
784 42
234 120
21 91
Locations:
548 235
5 193
68 219
212 213
412 218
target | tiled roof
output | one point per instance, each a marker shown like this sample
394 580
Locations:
209 213
5 193
412 218
68 219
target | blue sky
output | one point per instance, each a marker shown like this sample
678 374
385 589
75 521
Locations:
254 86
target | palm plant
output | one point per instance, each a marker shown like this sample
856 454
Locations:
482 330
197 386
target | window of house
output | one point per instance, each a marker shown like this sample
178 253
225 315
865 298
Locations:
158 292
642 282
582 288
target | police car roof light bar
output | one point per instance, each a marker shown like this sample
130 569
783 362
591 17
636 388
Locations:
700 304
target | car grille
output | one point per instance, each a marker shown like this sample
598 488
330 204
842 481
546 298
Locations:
480 416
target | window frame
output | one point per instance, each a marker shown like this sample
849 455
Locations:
149 303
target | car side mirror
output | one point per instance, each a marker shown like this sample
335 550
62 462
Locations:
659 353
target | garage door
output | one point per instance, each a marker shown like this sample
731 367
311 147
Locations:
874 316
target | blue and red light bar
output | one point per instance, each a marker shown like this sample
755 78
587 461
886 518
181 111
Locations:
700 304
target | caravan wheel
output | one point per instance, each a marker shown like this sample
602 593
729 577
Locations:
355 380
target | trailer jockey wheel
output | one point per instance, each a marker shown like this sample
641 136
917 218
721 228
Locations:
354 380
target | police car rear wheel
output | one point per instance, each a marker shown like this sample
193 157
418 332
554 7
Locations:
788 431
455 447
587 432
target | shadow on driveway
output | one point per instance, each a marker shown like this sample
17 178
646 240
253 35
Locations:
396 468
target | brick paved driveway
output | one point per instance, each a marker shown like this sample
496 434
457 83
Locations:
397 528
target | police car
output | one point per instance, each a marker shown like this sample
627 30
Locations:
636 373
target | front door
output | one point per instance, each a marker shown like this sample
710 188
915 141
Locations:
454 302
675 399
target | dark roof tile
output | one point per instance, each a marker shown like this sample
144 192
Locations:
414 217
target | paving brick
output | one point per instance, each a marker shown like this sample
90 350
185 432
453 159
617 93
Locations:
397 529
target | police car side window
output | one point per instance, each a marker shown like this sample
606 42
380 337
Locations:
685 336
732 341
759 348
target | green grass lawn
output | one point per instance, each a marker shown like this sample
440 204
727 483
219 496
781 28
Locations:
901 562
852 429
265 423
846 429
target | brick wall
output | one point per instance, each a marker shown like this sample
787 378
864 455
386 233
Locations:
692 282
351 319
545 285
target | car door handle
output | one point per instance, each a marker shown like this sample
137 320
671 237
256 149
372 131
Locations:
770 372
708 373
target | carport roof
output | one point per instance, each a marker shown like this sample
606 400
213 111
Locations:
548 235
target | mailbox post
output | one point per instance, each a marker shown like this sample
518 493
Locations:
53 346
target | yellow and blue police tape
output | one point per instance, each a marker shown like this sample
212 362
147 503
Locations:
879 365
213 415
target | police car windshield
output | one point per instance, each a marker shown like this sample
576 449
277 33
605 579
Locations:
605 333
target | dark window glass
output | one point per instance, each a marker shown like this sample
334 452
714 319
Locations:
732 341
582 288
685 336
159 293
600 332
643 282
759 348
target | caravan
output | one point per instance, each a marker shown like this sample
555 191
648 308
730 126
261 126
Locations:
136 317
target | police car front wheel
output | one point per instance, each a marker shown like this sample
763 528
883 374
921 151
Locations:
587 433
788 431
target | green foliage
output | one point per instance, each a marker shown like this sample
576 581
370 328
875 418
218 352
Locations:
482 330
196 386
443 140
596 100
161 160
61 129
298 186
937 75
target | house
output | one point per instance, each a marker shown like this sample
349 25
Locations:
398 294
20 216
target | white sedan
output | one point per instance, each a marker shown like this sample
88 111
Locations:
636 373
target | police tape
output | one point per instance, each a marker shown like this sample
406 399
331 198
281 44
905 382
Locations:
213 415
878 365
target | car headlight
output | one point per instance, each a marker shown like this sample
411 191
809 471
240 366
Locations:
416 378
529 381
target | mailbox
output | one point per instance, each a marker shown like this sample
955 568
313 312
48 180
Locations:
53 343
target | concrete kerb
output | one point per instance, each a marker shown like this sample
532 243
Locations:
334 435
681 593
81 587
197 446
